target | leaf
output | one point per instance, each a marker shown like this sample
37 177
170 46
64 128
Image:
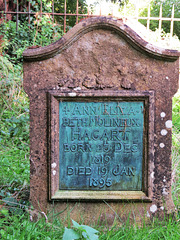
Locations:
10 201
2 193
16 211
70 234
15 131
85 235
94 237
89 230
75 224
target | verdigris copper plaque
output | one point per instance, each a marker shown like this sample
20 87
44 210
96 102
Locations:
101 145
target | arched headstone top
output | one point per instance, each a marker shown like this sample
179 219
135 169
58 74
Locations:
97 23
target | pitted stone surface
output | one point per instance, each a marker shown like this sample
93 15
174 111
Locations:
104 56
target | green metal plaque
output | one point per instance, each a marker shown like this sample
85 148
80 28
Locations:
101 145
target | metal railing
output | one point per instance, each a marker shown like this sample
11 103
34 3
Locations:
172 19
52 13
64 14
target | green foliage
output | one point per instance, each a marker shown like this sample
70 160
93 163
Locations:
14 226
167 11
14 127
176 122
80 232
19 227
41 32
15 207
176 112
58 8
14 104
156 230
14 166
70 8
176 150
5 66
120 2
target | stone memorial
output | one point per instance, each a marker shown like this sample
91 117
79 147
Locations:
100 123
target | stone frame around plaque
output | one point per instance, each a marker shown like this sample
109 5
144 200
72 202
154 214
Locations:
53 99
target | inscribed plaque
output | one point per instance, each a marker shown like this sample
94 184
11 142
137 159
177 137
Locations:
101 145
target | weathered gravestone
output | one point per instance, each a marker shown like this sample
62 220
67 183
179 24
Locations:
100 123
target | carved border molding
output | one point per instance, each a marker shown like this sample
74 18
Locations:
53 98
96 23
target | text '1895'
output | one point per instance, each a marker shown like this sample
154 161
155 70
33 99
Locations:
101 145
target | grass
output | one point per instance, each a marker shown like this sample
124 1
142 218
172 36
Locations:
155 231
176 150
20 227
14 126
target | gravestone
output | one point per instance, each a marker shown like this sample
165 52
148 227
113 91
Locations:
100 123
